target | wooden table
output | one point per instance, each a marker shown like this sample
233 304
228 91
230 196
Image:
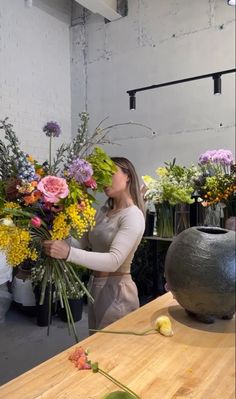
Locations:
198 362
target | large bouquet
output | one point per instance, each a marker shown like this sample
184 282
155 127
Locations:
52 200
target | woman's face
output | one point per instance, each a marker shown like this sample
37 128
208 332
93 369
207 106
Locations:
119 184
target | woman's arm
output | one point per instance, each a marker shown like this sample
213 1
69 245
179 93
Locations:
127 239
129 235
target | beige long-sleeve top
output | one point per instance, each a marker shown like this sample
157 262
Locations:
113 241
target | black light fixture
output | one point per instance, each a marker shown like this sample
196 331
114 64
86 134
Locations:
132 100
231 2
215 75
217 83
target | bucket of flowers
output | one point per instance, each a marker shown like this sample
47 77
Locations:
216 186
173 186
52 200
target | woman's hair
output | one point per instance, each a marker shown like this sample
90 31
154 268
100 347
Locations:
134 186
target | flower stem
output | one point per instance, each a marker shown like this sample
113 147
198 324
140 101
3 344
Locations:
118 383
50 153
61 277
82 285
124 332
50 301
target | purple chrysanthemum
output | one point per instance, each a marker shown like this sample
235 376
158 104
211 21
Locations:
222 157
80 170
206 157
52 129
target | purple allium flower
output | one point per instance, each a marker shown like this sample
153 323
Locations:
80 170
52 129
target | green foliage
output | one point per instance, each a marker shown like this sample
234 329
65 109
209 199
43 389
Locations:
174 183
75 192
2 194
103 168
9 151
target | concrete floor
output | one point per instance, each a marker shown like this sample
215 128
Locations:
23 344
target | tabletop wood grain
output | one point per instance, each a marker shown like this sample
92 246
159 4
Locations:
198 362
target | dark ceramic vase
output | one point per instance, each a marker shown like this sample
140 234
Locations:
200 272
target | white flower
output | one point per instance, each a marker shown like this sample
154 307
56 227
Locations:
7 222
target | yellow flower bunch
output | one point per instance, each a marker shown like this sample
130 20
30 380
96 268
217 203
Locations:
80 218
60 228
161 171
15 242
89 212
12 205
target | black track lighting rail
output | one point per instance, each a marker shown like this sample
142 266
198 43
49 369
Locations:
215 75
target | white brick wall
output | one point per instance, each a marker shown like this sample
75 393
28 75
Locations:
159 41
35 70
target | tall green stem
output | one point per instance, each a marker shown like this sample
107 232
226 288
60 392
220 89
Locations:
146 332
50 154
118 383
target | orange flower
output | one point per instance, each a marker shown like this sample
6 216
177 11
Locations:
34 183
80 359
40 171
30 158
32 198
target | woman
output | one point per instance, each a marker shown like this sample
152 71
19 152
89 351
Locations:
114 239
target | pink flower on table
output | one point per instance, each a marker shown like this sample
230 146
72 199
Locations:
53 188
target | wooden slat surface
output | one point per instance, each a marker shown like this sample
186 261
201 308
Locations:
198 362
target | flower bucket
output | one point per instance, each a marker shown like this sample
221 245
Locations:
149 225
164 220
76 307
22 291
42 311
182 217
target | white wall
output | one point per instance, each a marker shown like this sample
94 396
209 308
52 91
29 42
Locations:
158 41
35 70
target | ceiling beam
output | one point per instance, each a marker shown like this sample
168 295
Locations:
106 8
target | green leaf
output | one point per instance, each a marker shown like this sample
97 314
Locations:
118 395
95 367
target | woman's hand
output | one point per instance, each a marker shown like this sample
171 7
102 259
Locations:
58 249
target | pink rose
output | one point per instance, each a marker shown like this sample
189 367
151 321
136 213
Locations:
36 221
53 188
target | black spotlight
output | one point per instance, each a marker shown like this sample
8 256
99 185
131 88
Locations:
132 101
217 83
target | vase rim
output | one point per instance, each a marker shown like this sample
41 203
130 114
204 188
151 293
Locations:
212 230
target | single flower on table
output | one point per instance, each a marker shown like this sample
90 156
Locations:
52 201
